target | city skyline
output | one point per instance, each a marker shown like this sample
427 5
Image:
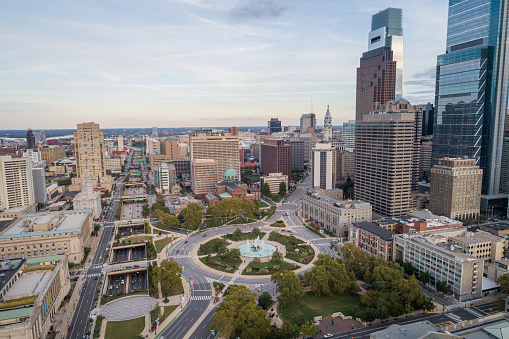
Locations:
166 64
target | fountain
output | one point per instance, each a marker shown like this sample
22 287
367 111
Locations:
258 249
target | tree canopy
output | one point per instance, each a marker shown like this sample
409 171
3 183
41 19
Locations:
289 286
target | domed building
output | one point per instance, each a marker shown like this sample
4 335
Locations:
230 187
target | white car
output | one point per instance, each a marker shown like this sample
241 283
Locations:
328 335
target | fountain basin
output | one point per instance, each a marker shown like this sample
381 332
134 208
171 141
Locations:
258 249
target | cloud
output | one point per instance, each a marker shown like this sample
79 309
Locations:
256 9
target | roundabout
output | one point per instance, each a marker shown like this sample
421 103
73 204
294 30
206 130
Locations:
258 249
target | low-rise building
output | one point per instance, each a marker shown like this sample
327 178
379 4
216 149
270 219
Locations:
31 291
418 221
497 269
462 272
47 233
334 215
113 164
480 244
274 180
372 238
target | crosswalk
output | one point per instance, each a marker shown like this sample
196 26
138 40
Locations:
477 314
180 256
454 317
94 275
200 297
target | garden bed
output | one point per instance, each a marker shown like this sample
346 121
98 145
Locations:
265 268
304 256
278 223
220 264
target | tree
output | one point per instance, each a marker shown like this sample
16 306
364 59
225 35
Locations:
170 220
256 232
239 314
191 216
443 287
289 286
277 256
309 329
369 314
370 298
232 255
282 189
266 190
40 205
265 300
168 274
318 281
424 277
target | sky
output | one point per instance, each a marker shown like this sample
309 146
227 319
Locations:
198 63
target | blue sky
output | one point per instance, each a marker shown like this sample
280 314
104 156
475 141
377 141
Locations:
196 63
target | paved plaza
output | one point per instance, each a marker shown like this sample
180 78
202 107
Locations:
128 308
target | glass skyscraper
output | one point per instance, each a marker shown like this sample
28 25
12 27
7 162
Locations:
471 87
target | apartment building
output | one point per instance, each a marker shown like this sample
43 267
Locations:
171 149
463 272
37 286
346 165
203 176
165 176
372 238
16 182
47 233
324 166
456 188
153 146
52 153
113 164
387 143
334 216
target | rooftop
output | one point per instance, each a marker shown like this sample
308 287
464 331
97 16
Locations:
29 284
412 330
344 204
375 229
477 237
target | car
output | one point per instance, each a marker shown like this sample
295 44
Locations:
185 242
328 335
204 235
95 278
70 328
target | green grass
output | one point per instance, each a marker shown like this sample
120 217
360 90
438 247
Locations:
211 246
297 257
263 204
138 238
161 243
128 329
167 311
223 264
209 223
242 221
310 306
270 267
218 287
278 223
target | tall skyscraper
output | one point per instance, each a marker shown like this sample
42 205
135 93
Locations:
327 126
89 150
274 125
307 120
428 114
16 183
223 148
31 139
154 132
349 133
471 87
380 74
276 157
120 143
324 166
387 146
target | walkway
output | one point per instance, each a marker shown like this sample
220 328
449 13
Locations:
128 308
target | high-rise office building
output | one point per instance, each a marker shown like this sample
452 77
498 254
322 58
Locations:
221 147
89 150
327 126
297 154
120 143
307 120
324 166
504 175
387 146
153 146
16 182
428 114
349 133
39 182
274 125
471 87
425 158
276 157
380 74
204 176
31 139
456 188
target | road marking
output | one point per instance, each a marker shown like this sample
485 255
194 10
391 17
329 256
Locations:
443 323
453 317
201 297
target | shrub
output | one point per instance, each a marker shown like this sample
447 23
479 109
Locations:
263 271
277 267
249 270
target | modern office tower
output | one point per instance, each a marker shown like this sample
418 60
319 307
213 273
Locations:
387 146
297 154
471 88
504 175
52 153
120 143
171 149
165 176
327 126
346 165
154 132
87 199
89 152
276 157
153 146
428 114
456 188
308 144
204 176
349 133
16 182
39 182
306 121
233 131
31 139
425 158
380 74
274 125
223 148
324 166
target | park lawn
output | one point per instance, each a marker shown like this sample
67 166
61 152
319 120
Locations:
223 265
138 238
305 260
270 267
129 329
263 204
310 306
167 311
161 243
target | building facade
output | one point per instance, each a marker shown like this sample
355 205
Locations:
297 154
203 176
276 157
39 182
387 146
274 180
87 199
16 182
349 133
306 121
52 153
456 188
324 166
327 126
333 215
373 239
165 176
274 126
